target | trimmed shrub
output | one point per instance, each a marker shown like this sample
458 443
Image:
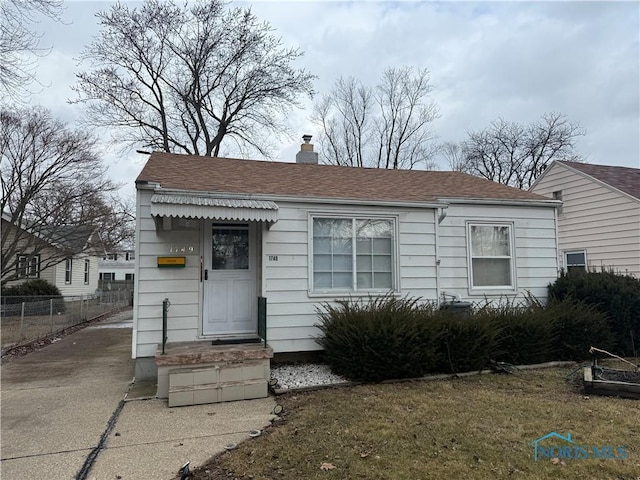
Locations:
380 339
527 333
37 294
31 288
464 344
579 326
617 296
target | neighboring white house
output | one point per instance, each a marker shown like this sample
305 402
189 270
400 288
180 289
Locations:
67 257
117 266
215 234
599 222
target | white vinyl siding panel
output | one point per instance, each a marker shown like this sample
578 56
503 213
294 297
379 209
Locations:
284 265
535 255
77 285
596 218
180 285
291 311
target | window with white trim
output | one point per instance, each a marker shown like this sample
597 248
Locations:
353 254
575 260
68 270
107 276
86 272
491 255
28 266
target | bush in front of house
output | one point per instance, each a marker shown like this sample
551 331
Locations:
31 288
391 338
579 326
617 296
382 338
464 343
527 331
37 293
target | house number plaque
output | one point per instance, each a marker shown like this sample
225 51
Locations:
181 249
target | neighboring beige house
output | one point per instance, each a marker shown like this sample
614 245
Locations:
599 222
243 251
68 258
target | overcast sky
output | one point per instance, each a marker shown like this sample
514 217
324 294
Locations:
515 60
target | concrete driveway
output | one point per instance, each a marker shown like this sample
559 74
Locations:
64 414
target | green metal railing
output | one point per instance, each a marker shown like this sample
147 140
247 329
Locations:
165 308
262 319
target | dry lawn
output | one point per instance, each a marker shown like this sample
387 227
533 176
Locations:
477 427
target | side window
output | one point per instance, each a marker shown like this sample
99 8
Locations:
28 266
491 256
575 260
87 265
68 270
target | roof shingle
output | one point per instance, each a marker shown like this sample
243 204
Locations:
254 177
625 179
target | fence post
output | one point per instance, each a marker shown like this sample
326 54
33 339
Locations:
51 313
81 301
22 321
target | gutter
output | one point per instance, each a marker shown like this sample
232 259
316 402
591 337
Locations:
507 201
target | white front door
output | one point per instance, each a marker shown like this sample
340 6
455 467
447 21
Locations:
230 301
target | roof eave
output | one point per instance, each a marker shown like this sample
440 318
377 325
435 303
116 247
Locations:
435 203
531 202
601 182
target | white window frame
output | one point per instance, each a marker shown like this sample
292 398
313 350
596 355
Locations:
512 257
68 271
573 252
28 266
87 271
354 291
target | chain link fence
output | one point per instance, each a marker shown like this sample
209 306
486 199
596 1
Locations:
25 319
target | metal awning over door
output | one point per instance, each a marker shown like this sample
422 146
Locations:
213 208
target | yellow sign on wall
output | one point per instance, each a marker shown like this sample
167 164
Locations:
172 262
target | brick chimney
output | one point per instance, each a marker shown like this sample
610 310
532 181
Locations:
306 153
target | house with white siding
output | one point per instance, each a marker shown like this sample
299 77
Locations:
66 256
599 222
215 235
117 266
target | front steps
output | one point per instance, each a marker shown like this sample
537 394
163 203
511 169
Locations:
195 373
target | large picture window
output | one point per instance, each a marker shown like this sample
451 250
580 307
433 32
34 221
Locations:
353 254
491 256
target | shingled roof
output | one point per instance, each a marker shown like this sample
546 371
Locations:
254 177
625 179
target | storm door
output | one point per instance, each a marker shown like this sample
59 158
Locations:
230 301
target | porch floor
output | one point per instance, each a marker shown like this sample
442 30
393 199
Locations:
194 353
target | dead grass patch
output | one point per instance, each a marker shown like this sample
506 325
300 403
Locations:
474 428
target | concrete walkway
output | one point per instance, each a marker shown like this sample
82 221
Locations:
63 414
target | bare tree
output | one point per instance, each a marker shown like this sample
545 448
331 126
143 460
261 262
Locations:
185 79
20 43
54 192
515 154
386 126
454 155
